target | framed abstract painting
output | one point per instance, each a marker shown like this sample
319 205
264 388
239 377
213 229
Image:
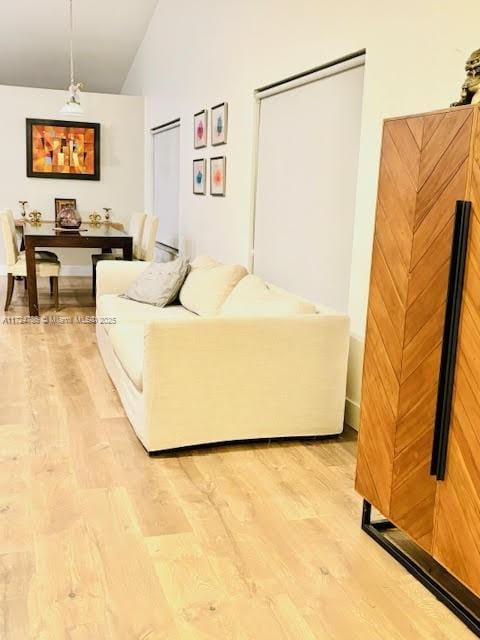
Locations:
199 176
219 123
217 176
63 149
200 120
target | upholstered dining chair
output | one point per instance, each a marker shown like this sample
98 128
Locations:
40 255
135 229
17 265
149 236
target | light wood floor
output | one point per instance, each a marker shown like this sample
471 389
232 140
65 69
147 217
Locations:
100 542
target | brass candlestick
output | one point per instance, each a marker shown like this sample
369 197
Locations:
22 203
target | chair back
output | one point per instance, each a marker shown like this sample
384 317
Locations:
147 251
135 229
11 221
9 241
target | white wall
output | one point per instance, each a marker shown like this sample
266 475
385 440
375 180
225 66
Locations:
195 55
122 159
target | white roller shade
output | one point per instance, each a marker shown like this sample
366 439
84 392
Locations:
309 137
166 167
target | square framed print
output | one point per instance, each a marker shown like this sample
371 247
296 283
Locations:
63 149
199 176
61 203
218 168
219 123
200 124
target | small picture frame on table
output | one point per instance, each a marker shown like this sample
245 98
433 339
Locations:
219 124
200 125
218 168
61 203
199 176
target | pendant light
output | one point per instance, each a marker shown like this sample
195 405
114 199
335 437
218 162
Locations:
72 106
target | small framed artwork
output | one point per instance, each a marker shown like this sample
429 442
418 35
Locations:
63 149
199 176
200 120
61 203
217 176
219 123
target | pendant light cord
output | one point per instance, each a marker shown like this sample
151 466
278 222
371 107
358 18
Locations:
72 77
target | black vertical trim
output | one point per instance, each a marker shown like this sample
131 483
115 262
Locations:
450 338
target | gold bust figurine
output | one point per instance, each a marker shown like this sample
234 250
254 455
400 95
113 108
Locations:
471 86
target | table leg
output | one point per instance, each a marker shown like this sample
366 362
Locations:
31 277
128 250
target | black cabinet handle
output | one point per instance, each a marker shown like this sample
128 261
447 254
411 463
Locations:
450 338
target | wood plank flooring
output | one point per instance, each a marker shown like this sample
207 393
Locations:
100 542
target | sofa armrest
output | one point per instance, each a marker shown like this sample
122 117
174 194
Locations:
215 379
115 276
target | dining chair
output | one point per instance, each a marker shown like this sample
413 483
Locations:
140 228
17 264
135 229
40 255
149 236
11 222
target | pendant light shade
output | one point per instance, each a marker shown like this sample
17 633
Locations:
72 107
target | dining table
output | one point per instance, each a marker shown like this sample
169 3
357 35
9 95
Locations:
105 236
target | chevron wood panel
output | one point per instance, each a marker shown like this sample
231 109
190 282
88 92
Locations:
424 168
416 126
441 140
437 255
422 308
430 125
434 224
442 180
391 259
456 541
446 167
424 342
375 453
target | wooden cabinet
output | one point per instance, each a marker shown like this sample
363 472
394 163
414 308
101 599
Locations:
428 162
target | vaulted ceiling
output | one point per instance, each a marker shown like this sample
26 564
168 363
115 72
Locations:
34 41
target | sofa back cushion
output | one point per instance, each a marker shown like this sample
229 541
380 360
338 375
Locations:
209 284
254 297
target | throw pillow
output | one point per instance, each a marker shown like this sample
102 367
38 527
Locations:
208 285
254 297
160 283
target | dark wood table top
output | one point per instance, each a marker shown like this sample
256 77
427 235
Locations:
87 230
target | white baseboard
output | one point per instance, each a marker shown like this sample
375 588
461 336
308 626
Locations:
67 270
352 414
76 270
354 381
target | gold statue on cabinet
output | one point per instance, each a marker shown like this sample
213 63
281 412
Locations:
471 87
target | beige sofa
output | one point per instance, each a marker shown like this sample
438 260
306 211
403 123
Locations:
237 360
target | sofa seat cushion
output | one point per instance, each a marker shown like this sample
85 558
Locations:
254 297
209 284
128 346
123 311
